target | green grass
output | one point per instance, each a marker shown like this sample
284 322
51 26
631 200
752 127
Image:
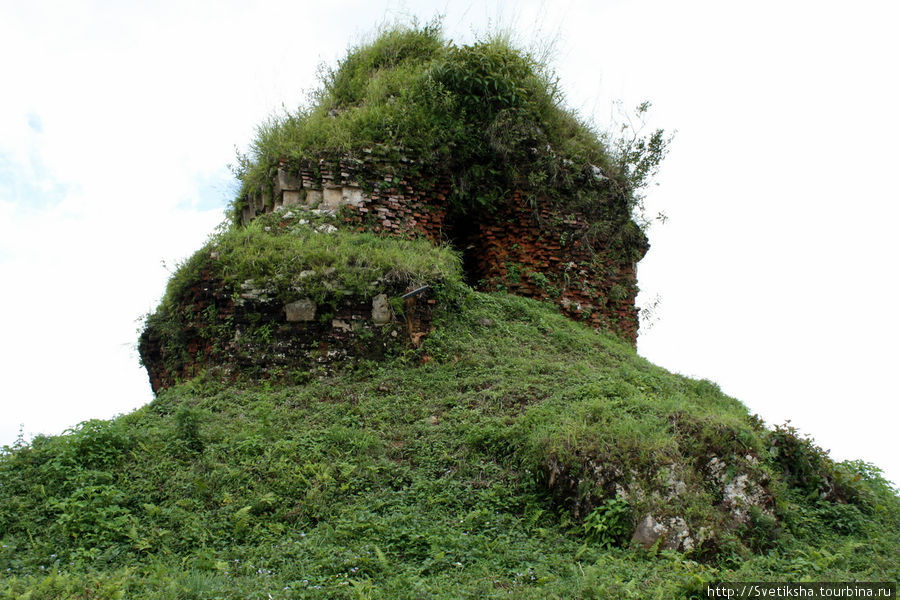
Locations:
280 258
488 113
427 476
511 455
296 256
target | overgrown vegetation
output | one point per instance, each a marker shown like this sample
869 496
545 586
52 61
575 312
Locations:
225 303
515 453
428 476
287 257
489 113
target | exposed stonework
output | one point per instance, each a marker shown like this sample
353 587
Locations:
548 258
538 252
381 310
301 310
740 491
269 339
734 486
672 534
525 246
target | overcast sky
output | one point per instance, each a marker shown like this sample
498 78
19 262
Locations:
776 269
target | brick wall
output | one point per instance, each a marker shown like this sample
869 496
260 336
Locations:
545 254
231 335
539 252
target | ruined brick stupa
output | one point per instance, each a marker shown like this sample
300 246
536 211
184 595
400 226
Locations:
415 147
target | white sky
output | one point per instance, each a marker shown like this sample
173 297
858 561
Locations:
775 269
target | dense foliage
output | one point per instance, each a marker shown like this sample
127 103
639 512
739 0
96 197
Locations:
424 476
487 112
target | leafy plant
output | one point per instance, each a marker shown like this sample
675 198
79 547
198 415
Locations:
638 155
187 427
609 524
804 465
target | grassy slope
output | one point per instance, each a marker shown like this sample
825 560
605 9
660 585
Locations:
415 478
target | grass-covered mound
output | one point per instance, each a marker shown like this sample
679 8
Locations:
512 455
227 305
303 253
488 113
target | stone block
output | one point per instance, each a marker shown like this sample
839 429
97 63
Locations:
381 309
247 214
352 196
286 181
292 197
647 532
261 202
301 310
332 197
314 197
341 325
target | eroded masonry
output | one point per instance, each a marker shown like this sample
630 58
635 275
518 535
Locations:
526 247
296 320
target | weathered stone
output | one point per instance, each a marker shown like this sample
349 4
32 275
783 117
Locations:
286 181
601 295
340 325
332 197
647 532
247 214
352 196
677 534
249 291
739 491
261 202
485 322
314 197
292 197
301 310
381 309
598 173
676 487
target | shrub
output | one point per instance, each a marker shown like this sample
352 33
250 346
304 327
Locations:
610 524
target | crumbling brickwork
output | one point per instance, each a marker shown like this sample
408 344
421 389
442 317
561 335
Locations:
535 251
251 333
546 254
